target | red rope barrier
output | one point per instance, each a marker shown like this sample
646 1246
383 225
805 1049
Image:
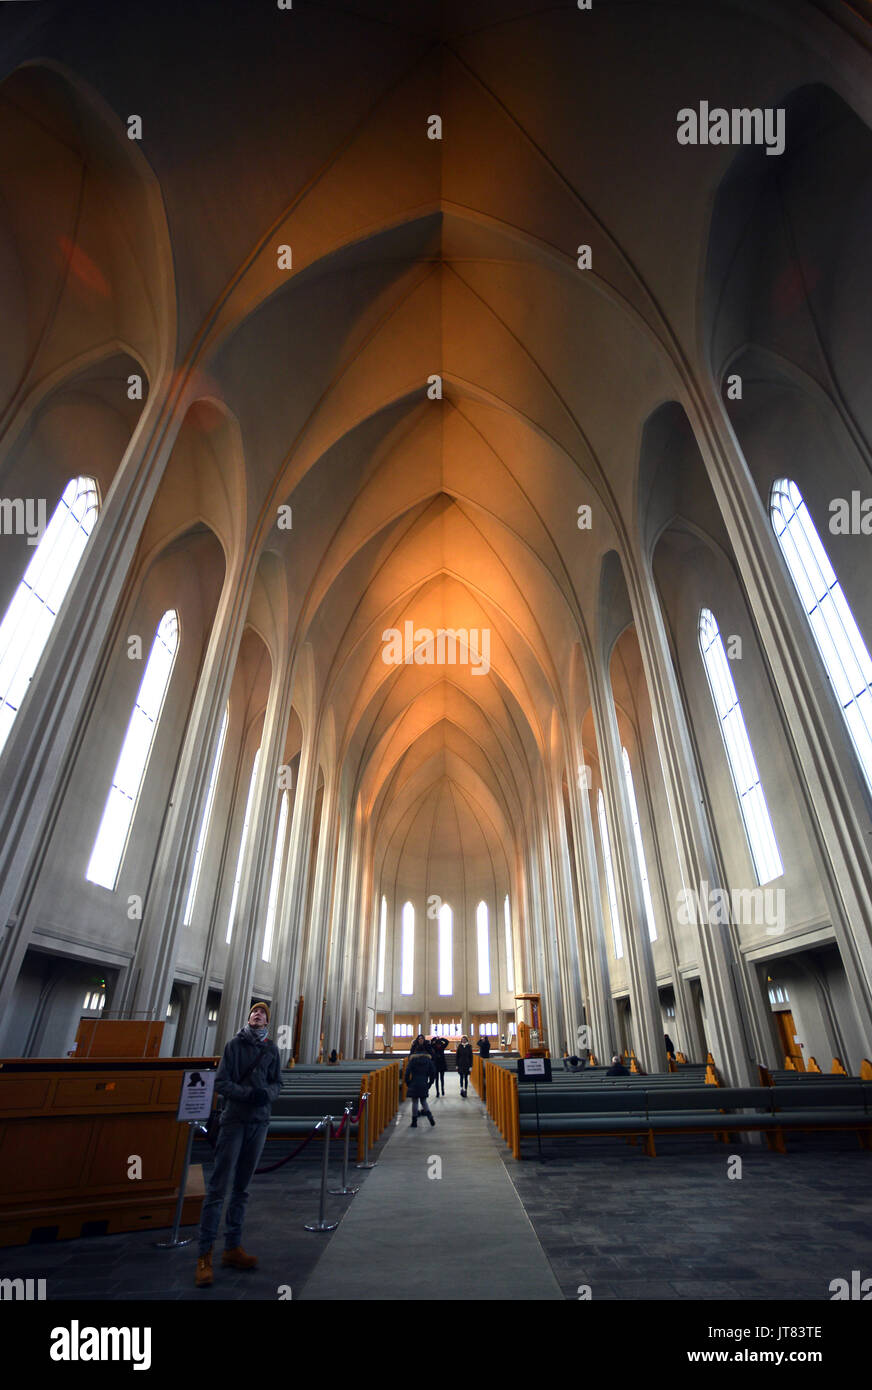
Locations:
364 1099
271 1167
335 1133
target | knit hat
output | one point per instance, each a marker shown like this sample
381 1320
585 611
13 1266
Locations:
260 1005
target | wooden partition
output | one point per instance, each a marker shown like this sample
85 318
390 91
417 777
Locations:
68 1128
117 1037
383 1084
501 1093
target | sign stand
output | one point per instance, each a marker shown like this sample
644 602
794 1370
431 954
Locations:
535 1069
173 1243
195 1104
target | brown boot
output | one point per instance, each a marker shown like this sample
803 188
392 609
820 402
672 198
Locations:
237 1258
204 1276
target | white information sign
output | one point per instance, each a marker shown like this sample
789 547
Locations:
534 1066
195 1101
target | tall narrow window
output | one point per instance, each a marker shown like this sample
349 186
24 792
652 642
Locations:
752 802
407 959
446 922
275 881
640 848
237 878
484 982
129 775
610 876
29 618
845 654
510 948
382 937
204 823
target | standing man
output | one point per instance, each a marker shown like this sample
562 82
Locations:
438 1047
420 1072
464 1063
249 1079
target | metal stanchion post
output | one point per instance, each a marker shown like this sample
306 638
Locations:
321 1224
345 1190
173 1243
366 1163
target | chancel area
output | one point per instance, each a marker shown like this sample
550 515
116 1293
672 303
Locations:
436 466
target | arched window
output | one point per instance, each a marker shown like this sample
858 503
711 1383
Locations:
275 881
446 923
382 935
845 654
29 618
127 781
510 949
407 959
240 858
204 823
740 756
640 848
484 982
610 876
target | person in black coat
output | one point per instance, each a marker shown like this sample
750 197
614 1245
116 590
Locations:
421 1045
617 1068
420 1072
670 1047
464 1063
484 1046
438 1047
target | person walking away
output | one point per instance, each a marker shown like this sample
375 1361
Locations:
438 1047
248 1080
420 1072
464 1064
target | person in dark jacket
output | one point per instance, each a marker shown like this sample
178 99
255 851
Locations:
484 1046
420 1072
248 1079
438 1047
421 1045
464 1063
617 1068
670 1047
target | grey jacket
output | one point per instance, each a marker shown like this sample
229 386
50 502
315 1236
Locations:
239 1054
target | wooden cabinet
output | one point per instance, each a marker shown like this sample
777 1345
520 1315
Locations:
69 1129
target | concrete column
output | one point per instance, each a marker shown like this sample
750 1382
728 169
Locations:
164 904
45 735
644 999
574 994
289 918
601 1009
339 931
824 763
316 954
245 944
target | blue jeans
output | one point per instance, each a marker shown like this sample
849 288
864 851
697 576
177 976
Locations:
236 1156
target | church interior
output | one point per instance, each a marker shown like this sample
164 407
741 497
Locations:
436 445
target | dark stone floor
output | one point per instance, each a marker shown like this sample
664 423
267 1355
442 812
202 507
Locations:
632 1228
129 1266
676 1227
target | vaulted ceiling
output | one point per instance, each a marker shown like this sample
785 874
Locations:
454 504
